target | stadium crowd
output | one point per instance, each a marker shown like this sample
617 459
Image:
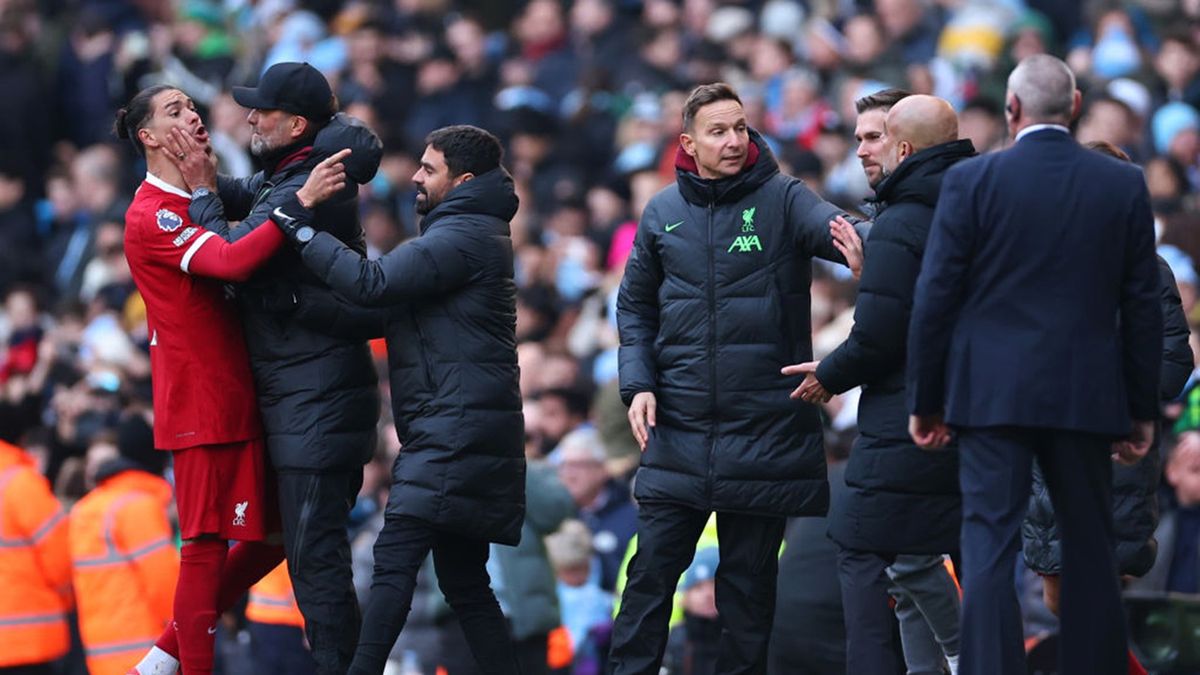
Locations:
587 97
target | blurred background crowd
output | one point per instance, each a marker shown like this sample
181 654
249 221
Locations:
587 96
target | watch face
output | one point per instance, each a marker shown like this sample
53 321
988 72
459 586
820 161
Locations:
305 234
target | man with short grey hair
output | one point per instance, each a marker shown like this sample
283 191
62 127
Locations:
1032 255
1044 88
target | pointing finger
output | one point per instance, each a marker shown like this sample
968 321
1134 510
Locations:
336 157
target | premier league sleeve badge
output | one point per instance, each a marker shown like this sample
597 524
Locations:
168 221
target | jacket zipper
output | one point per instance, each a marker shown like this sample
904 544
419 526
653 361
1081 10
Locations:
263 191
712 347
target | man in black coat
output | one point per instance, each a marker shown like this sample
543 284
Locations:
715 300
317 388
900 499
1033 254
459 482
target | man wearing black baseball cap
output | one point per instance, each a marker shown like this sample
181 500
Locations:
295 88
316 382
290 104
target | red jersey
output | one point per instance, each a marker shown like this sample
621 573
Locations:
203 387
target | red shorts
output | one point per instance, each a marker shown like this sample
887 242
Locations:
226 490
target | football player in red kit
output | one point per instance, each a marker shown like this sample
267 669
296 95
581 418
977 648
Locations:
204 401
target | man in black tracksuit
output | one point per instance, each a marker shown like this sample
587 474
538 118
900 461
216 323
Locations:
899 499
459 482
715 300
317 390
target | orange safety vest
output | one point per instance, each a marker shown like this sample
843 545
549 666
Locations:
125 568
35 566
272 600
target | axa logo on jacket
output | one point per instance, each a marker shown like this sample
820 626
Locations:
745 244
748 240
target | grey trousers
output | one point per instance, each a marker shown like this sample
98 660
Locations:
927 607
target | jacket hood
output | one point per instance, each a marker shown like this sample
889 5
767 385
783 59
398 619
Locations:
344 131
759 168
919 178
488 194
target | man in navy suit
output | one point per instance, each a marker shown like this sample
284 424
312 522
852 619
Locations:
1036 333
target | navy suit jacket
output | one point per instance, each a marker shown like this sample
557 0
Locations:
1038 299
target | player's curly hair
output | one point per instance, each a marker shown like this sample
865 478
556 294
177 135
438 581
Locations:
136 115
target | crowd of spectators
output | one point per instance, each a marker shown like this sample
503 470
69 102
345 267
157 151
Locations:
587 96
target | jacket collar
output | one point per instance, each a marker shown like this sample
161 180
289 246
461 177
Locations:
491 193
685 162
919 177
165 186
759 168
293 158
1034 128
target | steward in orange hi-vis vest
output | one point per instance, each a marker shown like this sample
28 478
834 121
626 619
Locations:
125 565
35 566
272 600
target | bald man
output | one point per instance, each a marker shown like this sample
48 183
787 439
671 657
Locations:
900 500
1033 253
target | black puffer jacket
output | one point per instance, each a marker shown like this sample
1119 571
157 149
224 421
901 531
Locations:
317 390
715 300
899 498
1135 505
453 359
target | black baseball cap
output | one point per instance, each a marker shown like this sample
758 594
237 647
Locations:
297 88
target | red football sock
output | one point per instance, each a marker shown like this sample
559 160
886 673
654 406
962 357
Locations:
245 564
200 564
1135 668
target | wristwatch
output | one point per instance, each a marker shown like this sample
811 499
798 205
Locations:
299 232
200 192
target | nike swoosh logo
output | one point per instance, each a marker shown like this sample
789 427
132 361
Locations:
668 228
212 631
